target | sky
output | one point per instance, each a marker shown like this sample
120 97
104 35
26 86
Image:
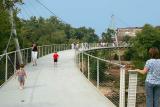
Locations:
97 13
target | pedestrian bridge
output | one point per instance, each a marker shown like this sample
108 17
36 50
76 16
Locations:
67 84
53 86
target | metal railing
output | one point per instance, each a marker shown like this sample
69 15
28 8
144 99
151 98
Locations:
105 75
85 46
9 61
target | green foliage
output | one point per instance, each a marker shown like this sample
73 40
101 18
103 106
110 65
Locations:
42 31
148 37
115 57
93 70
51 30
102 65
39 30
126 38
4 27
139 63
128 55
107 37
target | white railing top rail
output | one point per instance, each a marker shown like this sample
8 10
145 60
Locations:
27 48
120 65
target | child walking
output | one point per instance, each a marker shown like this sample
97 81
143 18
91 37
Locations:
55 57
21 76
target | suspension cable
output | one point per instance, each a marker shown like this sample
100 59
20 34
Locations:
122 21
5 51
11 62
26 12
35 8
50 11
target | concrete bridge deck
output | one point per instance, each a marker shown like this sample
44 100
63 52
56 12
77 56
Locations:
53 86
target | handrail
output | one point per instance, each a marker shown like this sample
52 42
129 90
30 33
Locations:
120 65
9 62
84 61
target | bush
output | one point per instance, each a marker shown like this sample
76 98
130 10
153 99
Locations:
115 57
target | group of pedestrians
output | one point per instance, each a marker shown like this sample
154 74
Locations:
21 73
75 46
151 68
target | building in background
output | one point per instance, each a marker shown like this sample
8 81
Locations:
128 31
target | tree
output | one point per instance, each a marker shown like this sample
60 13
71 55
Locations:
5 27
107 37
148 37
126 38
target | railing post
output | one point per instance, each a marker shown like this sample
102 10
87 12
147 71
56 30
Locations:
59 47
26 56
21 51
40 53
82 63
88 69
132 88
23 55
122 87
48 49
51 48
15 61
97 73
54 48
64 46
6 72
45 50
42 50
79 59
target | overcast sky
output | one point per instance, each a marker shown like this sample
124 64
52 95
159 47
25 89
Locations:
97 13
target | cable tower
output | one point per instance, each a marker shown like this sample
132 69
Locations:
9 5
114 35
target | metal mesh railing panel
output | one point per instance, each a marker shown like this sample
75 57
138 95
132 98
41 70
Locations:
2 69
102 74
11 66
109 81
93 71
140 95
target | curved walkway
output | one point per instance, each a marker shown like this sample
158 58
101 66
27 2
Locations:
50 86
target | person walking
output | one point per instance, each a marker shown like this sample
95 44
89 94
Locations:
55 57
34 54
21 76
152 82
